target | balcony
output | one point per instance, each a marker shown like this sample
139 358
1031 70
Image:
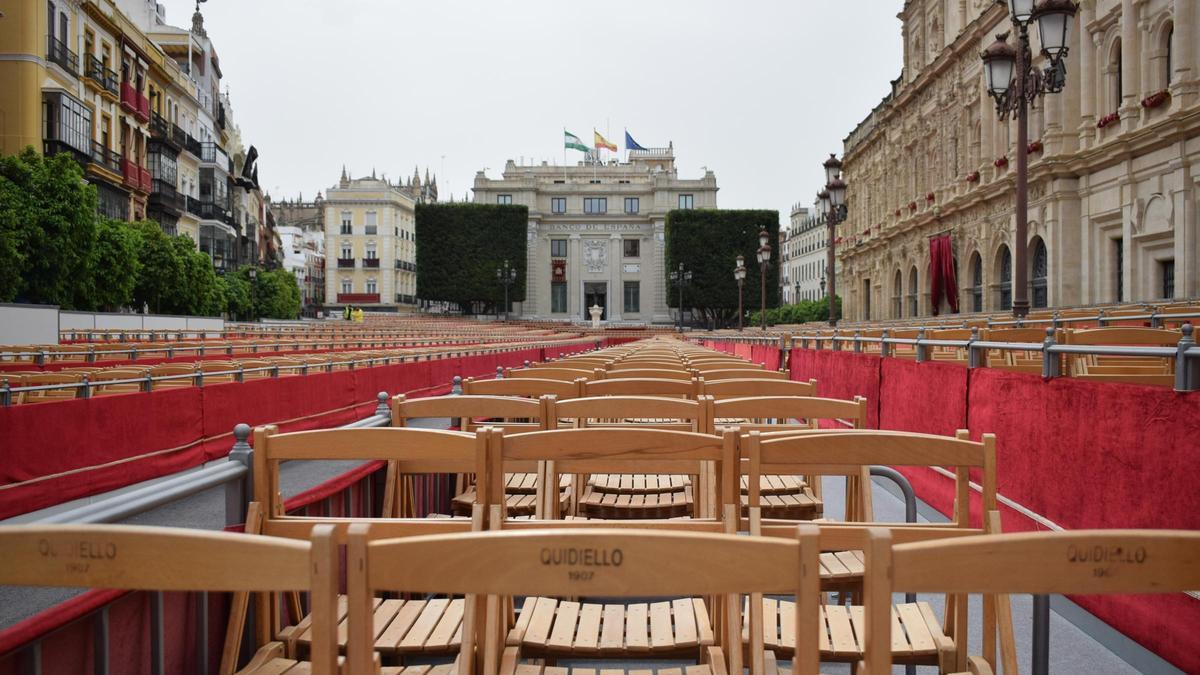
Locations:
406 266
214 154
192 206
57 52
147 183
164 196
143 111
345 263
129 98
371 263
104 78
102 156
179 136
132 173
358 298
162 130
52 146
402 299
192 145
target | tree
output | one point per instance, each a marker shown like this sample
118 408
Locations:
47 230
114 264
276 295
707 242
161 268
236 288
460 247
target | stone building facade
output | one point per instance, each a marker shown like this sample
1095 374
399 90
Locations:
805 255
1112 189
596 232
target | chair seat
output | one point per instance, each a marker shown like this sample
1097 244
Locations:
426 669
638 483
520 496
801 505
917 635
402 626
594 503
559 628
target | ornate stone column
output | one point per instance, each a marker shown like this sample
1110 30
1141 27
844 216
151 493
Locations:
616 291
1131 69
574 278
1184 84
1088 74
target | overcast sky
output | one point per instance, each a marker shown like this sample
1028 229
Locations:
760 92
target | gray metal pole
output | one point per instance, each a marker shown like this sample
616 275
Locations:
238 493
1041 635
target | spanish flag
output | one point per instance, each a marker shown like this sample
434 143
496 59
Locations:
600 142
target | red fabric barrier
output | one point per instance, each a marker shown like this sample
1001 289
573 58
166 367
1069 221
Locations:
768 355
841 375
908 403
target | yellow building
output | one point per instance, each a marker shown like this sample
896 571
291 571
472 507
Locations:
370 245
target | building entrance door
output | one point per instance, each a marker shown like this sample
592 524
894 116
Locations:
595 293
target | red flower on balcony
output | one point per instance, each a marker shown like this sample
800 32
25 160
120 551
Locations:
1108 119
973 177
1156 99
1036 146
912 206
930 197
1000 162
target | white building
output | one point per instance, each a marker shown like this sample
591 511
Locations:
596 232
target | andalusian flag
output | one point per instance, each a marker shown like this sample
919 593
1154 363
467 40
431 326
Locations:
602 143
572 142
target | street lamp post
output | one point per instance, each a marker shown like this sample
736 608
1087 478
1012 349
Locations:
764 259
833 203
1015 85
253 292
506 275
739 273
681 278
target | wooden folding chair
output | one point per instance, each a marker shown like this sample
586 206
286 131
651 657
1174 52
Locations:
472 412
405 629
144 558
645 386
792 497
167 369
1080 562
528 387
850 453
561 374
100 379
743 387
44 379
743 374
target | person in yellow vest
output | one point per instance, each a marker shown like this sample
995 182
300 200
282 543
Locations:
358 315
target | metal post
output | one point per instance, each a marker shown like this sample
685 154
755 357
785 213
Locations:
762 279
456 386
832 271
158 664
1051 365
857 341
922 350
1020 304
202 632
885 349
238 493
1187 371
741 283
100 640
383 408
976 357
1041 635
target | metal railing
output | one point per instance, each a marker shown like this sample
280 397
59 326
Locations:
105 77
236 473
58 52
1185 353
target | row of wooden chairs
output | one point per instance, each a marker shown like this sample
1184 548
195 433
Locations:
692 559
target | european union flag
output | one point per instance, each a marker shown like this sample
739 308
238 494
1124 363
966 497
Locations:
631 144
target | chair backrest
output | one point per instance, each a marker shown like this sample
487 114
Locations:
744 373
620 450
406 450
563 374
641 387
1079 562
722 364
513 413
782 410
574 563
659 373
165 369
741 387
529 387
853 452
99 378
47 378
642 412
132 557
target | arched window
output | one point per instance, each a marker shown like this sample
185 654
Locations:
1004 273
1168 39
1038 273
898 296
976 283
1115 78
912 291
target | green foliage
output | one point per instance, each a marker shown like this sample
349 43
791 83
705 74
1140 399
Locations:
707 242
115 266
276 295
161 268
801 312
236 289
460 247
47 230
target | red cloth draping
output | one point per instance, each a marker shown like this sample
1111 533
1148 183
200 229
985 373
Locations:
942 277
841 375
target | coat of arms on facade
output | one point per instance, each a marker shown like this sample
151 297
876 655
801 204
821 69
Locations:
595 255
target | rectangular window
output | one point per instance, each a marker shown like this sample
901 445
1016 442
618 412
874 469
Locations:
633 248
633 295
370 254
347 286
558 248
347 252
1168 278
1119 268
372 222
558 297
632 204
371 287
558 205
68 120
685 201
595 205
347 228
504 199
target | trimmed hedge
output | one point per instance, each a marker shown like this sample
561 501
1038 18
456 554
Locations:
459 248
707 242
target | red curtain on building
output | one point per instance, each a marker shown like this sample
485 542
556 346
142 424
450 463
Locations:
942 276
